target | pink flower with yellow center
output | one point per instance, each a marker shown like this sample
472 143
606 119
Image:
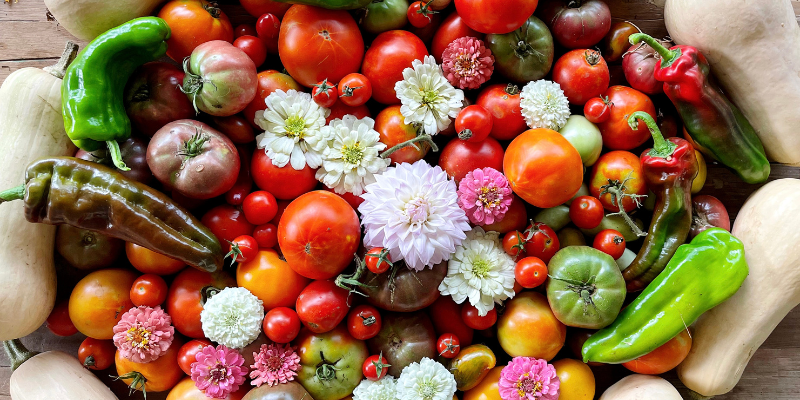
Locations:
275 364
484 194
528 378
218 371
467 63
143 334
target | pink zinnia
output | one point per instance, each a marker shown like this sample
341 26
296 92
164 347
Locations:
218 371
467 63
143 334
484 194
528 378
274 364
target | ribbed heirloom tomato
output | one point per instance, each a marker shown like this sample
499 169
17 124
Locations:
192 23
390 53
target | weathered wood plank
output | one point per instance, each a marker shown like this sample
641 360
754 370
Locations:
7 67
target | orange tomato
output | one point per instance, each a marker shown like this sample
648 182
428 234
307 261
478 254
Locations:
617 166
543 168
150 262
161 375
98 301
488 388
664 358
393 130
271 280
268 82
186 390
577 380
528 328
192 23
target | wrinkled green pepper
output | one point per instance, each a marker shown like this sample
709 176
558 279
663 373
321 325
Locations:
87 195
93 86
331 4
700 276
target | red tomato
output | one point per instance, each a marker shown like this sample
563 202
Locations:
611 242
186 297
281 324
253 47
325 94
261 276
364 322
192 23
266 235
541 241
260 207
243 248
96 354
530 272
150 262
419 14
448 345
188 352
319 234
355 90
459 157
446 317
664 358
226 223
268 82
619 172
339 110
474 123
244 182
514 244
502 101
516 218
268 28
543 168
149 290
284 183
586 212
393 130
350 198
617 134
258 8
470 316
451 29
378 260
597 109
375 367
236 128
244 30
332 35
58 321
322 305
282 204
495 16
582 74
390 53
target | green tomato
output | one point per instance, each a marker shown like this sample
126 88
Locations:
617 223
525 54
384 15
571 236
330 362
585 287
583 191
555 217
585 136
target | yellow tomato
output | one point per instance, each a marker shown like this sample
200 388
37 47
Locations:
528 327
270 279
577 380
186 390
150 262
702 172
98 301
487 389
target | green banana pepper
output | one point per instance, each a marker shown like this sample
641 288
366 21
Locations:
331 4
93 86
699 276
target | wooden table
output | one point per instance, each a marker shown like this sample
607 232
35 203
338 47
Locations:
30 38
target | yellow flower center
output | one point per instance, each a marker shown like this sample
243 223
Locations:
295 127
481 268
429 96
465 65
488 196
353 154
526 385
138 336
428 389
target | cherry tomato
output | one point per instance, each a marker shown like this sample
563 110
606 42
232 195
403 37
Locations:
452 28
393 130
378 260
322 305
270 279
355 89
502 101
586 212
340 109
459 157
268 27
541 241
236 129
284 183
96 354
149 290
364 322
474 124
618 174
663 358
58 321
470 316
611 242
446 317
448 345
325 94
617 134
281 324
244 30
419 14
260 207
390 53
192 23
243 248
598 109
253 47
514 244
188 352
582 74
226 223
186 297
530 272
257 8
266 236
150 262
375 367
282 204
268 82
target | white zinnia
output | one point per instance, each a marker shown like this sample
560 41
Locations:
427 97
383 389
292 124
544 105
412 210
351 157
426 380
232 317
480 271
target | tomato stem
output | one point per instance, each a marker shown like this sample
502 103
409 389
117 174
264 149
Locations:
138 382
617 191
411 142
351 282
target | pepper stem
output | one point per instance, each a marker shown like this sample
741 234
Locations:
116 155
15 193
60 68
662 148
17 353
667 56
411 142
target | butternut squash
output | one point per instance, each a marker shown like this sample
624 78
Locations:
641 387
87 19
727 336
31 127
754 50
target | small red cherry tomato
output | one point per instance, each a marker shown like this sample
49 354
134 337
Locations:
149 290
541 241
188 352
469 314
260 207
266 236
96 354
355 89
448 345
530 272
325 94
268 27
598 109
474 123
59 323
514 244
611 242
375 367
253 47
364 322
242 249
244 30
419 14
378 260
281 324
586 212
